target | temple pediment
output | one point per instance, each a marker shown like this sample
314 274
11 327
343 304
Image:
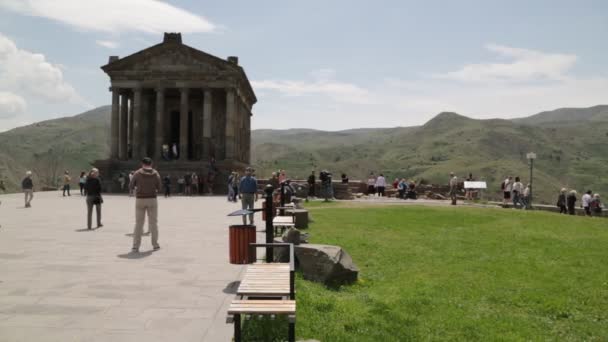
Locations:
171 57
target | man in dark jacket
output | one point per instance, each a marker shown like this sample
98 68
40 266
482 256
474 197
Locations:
311 184
94 199
146 182
27 185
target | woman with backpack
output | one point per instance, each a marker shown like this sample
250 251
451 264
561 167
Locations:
596 205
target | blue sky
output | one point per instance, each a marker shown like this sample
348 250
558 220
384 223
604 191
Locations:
320 64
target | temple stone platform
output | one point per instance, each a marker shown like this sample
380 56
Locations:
60 282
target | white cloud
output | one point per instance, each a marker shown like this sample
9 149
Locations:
150 16
531 82
524 65
26 73
322 85
107 44
11 105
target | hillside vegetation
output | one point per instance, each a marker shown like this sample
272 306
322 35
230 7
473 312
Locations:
570 144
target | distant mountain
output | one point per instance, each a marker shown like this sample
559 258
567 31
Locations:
567 115
571 152
49 147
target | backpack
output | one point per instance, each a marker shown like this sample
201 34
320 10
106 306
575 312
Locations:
502 185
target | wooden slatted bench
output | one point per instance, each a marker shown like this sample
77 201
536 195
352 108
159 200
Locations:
266 289
280 223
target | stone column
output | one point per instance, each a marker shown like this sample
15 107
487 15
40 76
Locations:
130 140
183 124
114 124
159 125
124 127
138 145
230 122
207 122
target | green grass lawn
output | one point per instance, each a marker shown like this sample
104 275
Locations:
439 273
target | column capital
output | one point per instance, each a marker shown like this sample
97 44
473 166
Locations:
160 89
184 89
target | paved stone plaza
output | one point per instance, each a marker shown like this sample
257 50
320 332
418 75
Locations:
60 282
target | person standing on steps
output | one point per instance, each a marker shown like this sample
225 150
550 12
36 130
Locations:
27 185
147 183
248 193
371 184
94 199
66 182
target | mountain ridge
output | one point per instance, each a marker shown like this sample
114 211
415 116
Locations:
489 148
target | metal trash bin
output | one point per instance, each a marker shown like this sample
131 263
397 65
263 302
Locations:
240 236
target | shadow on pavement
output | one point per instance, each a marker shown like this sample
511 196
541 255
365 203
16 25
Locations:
231 287
135 255
131 234
86 229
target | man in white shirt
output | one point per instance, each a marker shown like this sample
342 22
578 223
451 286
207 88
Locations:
507 187
380 185
586 200
517 190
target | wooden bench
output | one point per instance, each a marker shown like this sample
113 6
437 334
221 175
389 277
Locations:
280 223
266 289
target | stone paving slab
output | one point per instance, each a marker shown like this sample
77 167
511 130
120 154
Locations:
61 282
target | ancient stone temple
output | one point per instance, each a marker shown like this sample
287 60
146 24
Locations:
173 97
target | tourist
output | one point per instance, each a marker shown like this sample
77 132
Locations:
570 202
396 183
585 201
411 194
311 184
27 185
561 201
288 191
233 186
282 176
81 181
326 185
380 185
93 188
146 182
122 181
517 190
66 182
165 152
507 187
402 188
344 179
596 205
210 181
167 185
248 193
371 184
453 183
174 151
188 184
194 184
525 199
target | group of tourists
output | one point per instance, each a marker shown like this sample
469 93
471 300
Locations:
590 202
515 191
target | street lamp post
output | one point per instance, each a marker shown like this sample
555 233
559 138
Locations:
531 156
